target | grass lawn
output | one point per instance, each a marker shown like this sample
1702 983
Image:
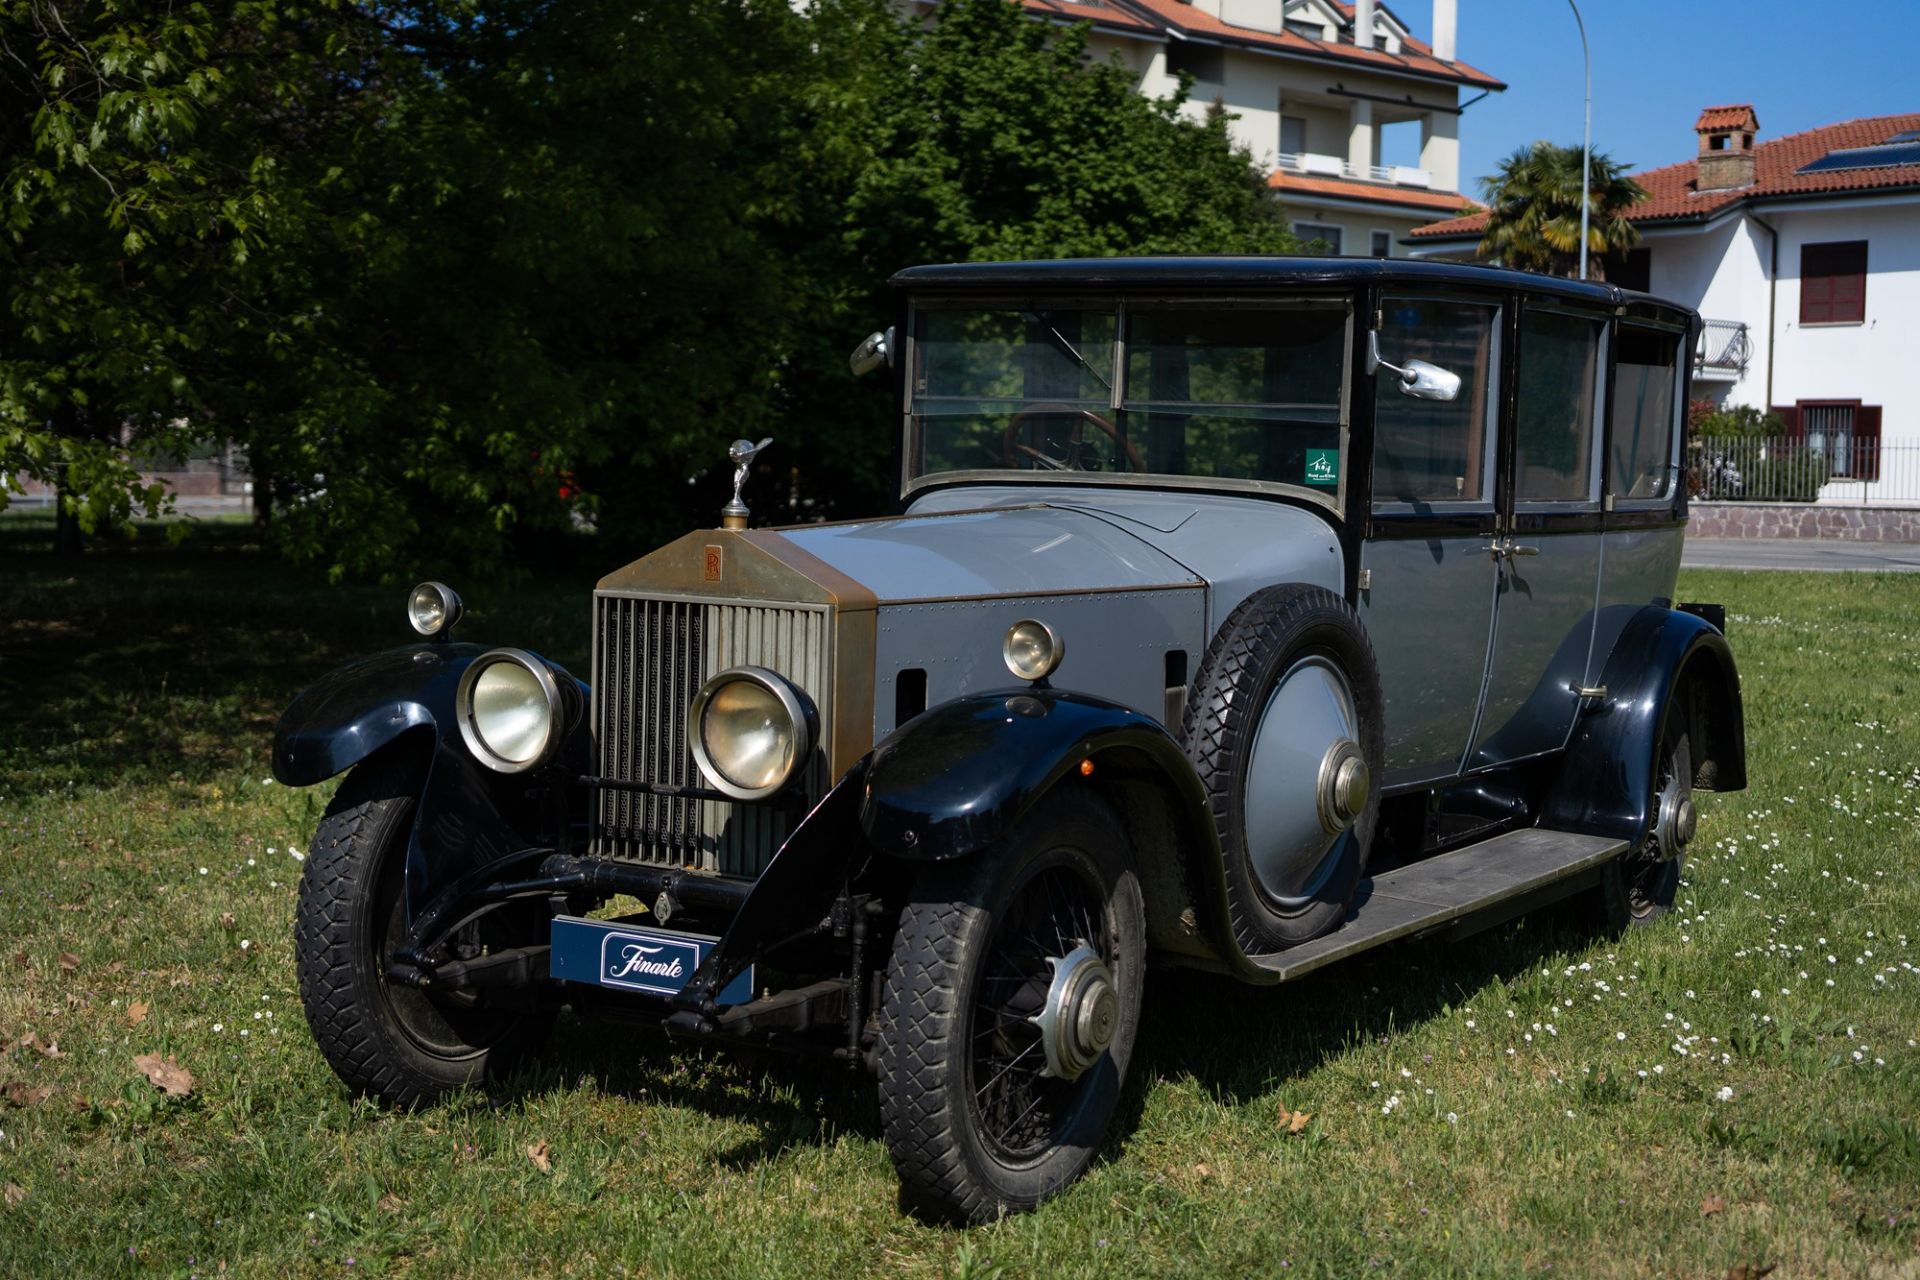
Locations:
1737 1087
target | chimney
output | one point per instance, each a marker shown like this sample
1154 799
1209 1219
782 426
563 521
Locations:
1445 19
1726 147
1363 23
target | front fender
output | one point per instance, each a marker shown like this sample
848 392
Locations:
956 778
353 711
466 815
1606 783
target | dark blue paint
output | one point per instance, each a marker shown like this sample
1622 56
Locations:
466 815
652 961
957 777
1606 784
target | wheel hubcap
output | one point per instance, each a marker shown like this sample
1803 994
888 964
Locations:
1677 818
1344 782
1307 782
1080 1015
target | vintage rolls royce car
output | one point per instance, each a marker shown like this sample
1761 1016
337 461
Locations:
1239 613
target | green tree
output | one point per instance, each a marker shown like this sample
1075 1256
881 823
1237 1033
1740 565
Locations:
1533 210
987 135
459 271
141 154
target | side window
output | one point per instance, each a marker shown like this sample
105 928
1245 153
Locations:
1436 450
1642 409
1554 425
1248 393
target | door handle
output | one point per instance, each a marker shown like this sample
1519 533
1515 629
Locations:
1508 548
1515 549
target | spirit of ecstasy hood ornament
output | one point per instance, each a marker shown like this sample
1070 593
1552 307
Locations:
734 514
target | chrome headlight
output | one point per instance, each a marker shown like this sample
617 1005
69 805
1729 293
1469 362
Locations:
510 709
433 608
749 731
1032 649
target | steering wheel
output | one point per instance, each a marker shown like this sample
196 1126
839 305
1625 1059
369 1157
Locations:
1013 448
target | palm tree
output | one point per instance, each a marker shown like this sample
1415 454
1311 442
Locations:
1533 210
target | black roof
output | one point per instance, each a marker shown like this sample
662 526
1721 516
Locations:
1235 273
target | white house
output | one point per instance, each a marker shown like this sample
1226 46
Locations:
1316 105
1803 255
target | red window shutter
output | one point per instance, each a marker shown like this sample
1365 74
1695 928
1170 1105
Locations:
1849 297
1790 419
1833 282
1866 442
1816 299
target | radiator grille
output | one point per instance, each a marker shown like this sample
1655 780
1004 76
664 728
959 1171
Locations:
650 657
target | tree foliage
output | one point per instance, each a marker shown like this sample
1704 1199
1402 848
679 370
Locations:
461 272
1533 210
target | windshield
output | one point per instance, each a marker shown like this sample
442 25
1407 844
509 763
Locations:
1208 392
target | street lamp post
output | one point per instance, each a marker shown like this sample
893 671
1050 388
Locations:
1586 137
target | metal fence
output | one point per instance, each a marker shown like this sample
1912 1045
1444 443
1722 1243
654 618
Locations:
212 476
1816 467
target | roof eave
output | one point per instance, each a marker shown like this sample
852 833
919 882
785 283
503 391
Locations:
1330 59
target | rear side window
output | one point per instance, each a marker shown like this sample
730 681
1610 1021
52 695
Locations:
1643 411
1436 450
1554 425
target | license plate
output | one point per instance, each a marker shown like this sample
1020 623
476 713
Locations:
655 961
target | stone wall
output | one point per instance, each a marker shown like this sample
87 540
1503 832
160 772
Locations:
1802 520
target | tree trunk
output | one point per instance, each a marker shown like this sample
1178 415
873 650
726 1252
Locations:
67 538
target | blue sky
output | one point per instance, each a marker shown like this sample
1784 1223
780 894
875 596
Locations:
1655 65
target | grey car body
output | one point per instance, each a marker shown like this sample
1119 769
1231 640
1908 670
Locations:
1244 613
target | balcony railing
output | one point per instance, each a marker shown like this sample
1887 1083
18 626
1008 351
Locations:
1831 467
1723 351
1309 162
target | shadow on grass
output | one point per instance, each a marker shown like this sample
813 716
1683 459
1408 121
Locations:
1238 1042
145 662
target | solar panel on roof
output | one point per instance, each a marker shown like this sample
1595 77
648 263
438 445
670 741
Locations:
1880 157
1908 135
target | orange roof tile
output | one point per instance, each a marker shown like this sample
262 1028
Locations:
1671 196
1350 189
1099 12
1738 116
1415 57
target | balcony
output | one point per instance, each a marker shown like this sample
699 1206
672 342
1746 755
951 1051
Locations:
1723 351
1311 163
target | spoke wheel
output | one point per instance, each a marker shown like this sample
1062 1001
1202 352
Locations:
1640 887
1011 1006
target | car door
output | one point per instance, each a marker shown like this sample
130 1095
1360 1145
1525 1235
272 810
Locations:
1429 582
1549 550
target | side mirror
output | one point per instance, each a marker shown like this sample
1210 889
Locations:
877 350
1418 379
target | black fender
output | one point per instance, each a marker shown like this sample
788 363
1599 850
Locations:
954 780
951 783
402 700
1665 661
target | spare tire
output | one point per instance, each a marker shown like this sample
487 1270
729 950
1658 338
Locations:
1284 727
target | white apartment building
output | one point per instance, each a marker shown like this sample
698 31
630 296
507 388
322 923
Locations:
1311 100
1802 253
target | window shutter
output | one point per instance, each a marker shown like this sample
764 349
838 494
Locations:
1790 419
1866 442
1833 282
1849 297
1816 299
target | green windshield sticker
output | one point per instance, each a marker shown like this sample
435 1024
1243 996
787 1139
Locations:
1323 466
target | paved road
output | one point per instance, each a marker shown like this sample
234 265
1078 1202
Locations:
1798 553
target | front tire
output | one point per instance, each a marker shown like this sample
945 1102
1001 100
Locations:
389 1041
1011 1007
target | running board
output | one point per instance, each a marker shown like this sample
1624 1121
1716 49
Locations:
1516 871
